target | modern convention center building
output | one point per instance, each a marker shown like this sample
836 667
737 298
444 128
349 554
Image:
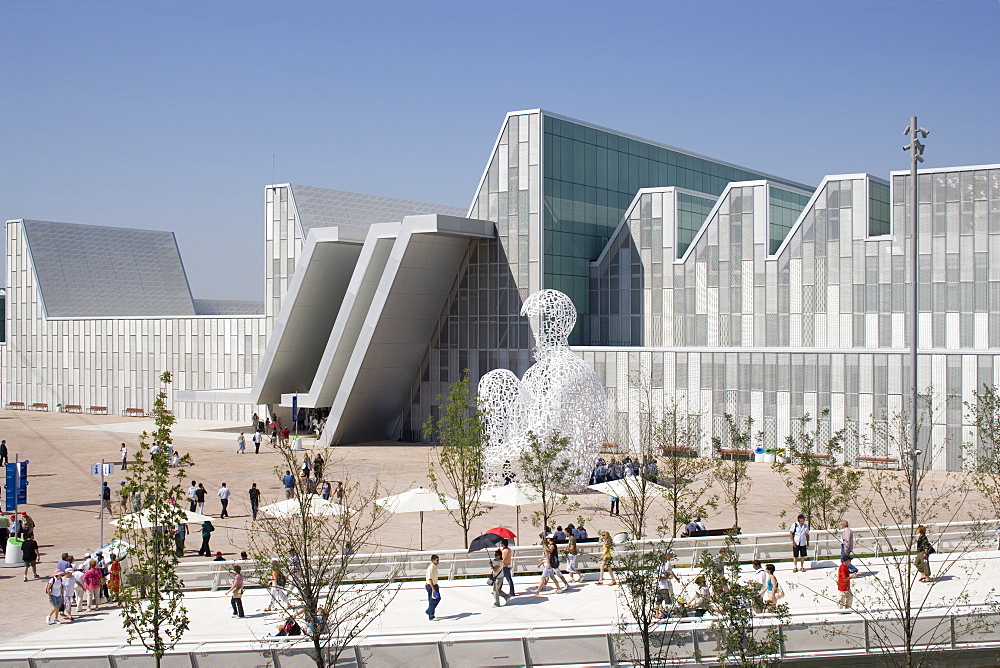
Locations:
703 284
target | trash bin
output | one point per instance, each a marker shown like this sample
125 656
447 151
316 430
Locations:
759 454
297 443
620 537
13 557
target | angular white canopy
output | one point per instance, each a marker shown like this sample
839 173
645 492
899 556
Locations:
317 505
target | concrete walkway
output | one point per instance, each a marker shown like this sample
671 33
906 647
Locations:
466 605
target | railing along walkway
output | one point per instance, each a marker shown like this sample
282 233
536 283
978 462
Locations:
775 546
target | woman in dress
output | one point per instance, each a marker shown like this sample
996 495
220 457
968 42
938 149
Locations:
115 578
606 565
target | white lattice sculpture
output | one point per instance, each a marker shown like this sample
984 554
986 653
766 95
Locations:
559 393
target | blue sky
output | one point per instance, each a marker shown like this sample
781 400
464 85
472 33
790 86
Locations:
166 115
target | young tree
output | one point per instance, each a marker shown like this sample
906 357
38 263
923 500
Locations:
685 475
334 584
824 486
904 614
551 474
152 594
743 638
456 464
984 413
732 471
645 639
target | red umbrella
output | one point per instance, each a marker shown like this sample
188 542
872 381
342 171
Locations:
500 531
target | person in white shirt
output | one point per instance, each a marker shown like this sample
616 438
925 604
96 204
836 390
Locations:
224 497
799 533
664 586
193 495
759 578
124 457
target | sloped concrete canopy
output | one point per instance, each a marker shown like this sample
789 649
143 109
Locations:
421 272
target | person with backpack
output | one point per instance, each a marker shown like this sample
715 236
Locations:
206 536
278 593
54 589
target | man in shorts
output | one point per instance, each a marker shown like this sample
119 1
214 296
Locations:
29 554
799 533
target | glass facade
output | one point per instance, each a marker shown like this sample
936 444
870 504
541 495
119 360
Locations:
590 177
785 209
691 214
878 208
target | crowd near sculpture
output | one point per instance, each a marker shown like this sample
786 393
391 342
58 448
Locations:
559 393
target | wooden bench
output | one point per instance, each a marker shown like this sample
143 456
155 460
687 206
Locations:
878 462
73 408
39 406
822 456
99 409
679 452
15 405
135 412
732 453
713 532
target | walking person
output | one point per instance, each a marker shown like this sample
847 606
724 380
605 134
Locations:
193 496
206 535
54 589
433 588
923 564
606 565
771 590
844 577
288 480
570 552
847 542
325 490
254 494
496 578
923 542
68 593
199 495
4 459
615 505
106 499
30 555
278 593
124 456
224 498
28 525
799 533
256 438
4 532
236 590
241 444
507 556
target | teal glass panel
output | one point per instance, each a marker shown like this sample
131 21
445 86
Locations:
785 209
691 214
590 179
878 209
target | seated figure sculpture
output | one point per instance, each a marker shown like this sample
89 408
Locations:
559 394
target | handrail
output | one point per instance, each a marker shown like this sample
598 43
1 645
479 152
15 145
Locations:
460 563
694 638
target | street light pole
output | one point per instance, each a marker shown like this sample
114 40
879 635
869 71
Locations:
916 150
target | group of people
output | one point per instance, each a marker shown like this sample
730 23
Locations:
617 469
81 584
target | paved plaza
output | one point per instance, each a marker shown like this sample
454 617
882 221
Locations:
63 501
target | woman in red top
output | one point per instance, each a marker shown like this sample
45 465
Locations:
115 578
92 584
